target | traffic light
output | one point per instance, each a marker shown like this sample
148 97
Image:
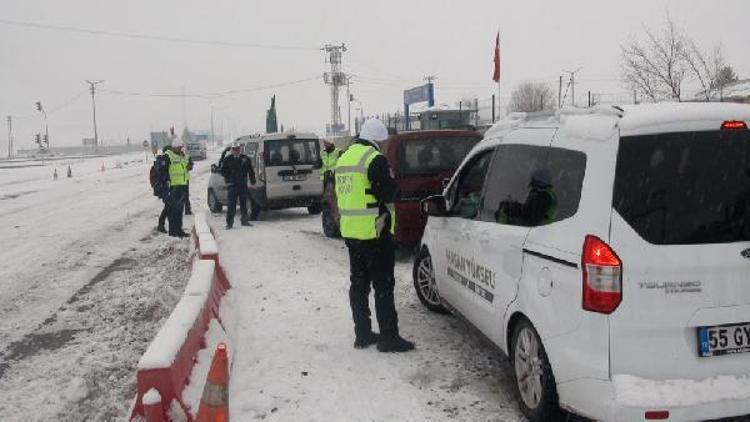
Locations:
38 106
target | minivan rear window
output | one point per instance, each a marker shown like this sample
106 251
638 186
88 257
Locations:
685 188
433 155
292 152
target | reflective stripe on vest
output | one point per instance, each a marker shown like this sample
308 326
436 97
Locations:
177 169
357 206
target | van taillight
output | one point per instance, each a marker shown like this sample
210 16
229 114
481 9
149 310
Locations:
602 276
734 125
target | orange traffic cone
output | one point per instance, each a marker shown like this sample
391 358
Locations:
214 405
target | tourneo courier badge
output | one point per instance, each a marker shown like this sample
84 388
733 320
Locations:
746 253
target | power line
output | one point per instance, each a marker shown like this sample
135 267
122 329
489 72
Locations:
152 37
209 95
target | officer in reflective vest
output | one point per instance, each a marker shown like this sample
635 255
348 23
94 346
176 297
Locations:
329 156
365 193
178 180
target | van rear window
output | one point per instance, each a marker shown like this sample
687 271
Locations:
433 155
292 152
685 188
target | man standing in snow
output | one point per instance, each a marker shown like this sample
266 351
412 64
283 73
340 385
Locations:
161 186
236 168
177 167
365 193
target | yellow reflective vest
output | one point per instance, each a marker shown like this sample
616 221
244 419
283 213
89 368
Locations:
178 172
329 161
358 208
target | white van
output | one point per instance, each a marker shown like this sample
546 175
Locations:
607 253
287 169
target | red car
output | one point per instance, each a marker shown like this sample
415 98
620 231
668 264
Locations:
420 162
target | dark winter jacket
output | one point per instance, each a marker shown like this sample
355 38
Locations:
237 170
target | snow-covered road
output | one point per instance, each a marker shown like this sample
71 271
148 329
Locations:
292 339
84 284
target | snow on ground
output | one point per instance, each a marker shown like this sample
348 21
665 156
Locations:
289 321
85 282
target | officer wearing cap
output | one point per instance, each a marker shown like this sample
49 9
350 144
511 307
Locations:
365 193
177 166
236 169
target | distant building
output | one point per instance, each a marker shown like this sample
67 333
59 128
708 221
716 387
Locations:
88 142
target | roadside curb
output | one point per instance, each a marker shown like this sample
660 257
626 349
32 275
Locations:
165 368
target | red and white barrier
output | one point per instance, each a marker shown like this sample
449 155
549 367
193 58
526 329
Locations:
164 369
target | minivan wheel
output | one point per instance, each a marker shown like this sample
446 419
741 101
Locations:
424 282
330 227
315 208
213 202
535 383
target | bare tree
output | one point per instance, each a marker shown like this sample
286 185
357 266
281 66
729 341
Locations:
532 96
656 67
707 69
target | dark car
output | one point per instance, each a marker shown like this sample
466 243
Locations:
419 161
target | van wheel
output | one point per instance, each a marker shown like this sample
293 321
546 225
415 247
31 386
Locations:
535 384
213 202
330 227
315 208
424 282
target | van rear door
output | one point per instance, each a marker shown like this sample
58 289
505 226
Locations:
681 227
290 168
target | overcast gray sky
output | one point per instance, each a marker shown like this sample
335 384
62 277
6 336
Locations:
391 46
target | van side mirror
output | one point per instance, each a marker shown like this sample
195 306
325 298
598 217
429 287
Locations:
446 181
214 168
434 205
318 164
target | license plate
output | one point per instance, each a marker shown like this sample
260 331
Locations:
724 339
295 178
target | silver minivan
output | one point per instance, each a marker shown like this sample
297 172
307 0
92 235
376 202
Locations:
287 169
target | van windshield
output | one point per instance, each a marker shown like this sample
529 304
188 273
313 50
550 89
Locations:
685 188
433 155
292 152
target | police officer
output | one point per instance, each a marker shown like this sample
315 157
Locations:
177 168
162 174
329 156
365 193
236 168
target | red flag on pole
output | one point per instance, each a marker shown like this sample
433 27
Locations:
496 74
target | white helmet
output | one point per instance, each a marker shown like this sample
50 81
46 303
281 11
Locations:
373 130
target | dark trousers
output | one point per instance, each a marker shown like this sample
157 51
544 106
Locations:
235 192
176 205
164 211
372 261
188 209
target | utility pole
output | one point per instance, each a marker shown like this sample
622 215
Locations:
559 94
10 137
572 84
348 105
92 86
336 79
213 137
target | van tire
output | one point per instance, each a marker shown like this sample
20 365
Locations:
315 208
423 275
330 226
538 400
213 202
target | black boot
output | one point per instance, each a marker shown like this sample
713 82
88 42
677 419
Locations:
161 229
246 223
395 344
366 340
